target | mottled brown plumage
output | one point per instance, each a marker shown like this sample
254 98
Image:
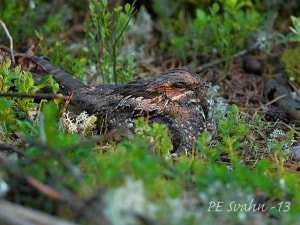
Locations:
176 98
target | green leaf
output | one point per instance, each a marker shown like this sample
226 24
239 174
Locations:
5 104
48 123
214 9
6 113
18 70
201 15
28 81
296 22
7 64
104 2
127 8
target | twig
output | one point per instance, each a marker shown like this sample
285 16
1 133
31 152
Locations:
19 215
10 41
60 156
13 172
218 61
256 45
66 163
276 99
36 96
97 139
45 189
5 147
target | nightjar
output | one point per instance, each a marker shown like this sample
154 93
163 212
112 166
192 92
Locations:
177 98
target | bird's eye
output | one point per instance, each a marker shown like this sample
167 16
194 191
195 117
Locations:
179 86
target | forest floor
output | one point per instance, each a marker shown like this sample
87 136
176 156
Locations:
252 161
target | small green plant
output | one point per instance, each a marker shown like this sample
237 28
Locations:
21 83
134 156
232 131
26 17
14 9
223 29
171 22
156 135
295 29
51 154
60 55
108 39
290 60
7 115
291 56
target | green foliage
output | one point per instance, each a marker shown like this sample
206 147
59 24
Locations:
144 158
232 131
226 31
14 9
134 156
6 77
295 29
110 28
290 60
155 135
59 53
232 124
19 82
223 29
291 56
52 155
23 83
38 19
6 114
170 27
22 18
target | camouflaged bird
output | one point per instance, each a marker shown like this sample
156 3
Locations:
176 98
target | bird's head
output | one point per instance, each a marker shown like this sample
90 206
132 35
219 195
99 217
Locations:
179 86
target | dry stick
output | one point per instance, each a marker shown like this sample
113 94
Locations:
271 102
76 173
256 45
36 96
10 41
9 148
11 213
218 61
45 190
60 156
276 99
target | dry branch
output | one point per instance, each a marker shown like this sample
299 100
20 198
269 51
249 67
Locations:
10 41
13 214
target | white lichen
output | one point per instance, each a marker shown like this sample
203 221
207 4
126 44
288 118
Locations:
124 203
278 140
219 104
4 188
277 133
82 124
